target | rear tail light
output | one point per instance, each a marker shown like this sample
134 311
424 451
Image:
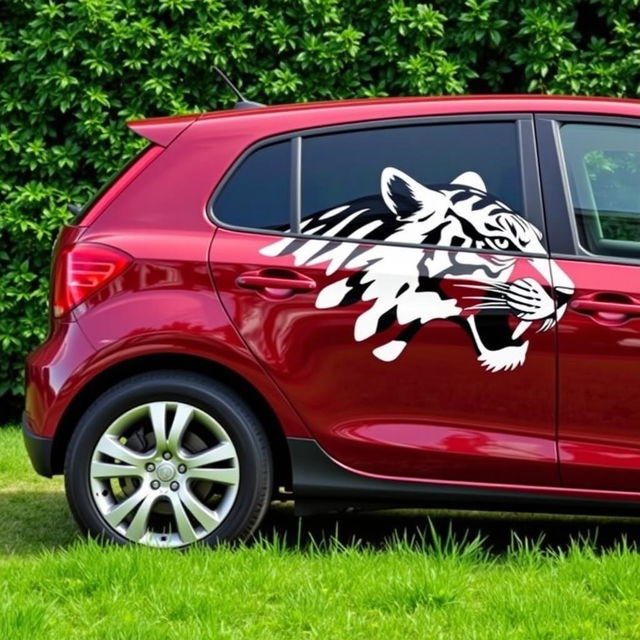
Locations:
81 270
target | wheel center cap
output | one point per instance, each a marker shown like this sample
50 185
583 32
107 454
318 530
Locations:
165 471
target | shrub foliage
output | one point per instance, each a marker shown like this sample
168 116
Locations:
71 73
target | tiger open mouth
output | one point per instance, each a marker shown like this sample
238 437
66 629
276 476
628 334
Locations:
497 349
500 345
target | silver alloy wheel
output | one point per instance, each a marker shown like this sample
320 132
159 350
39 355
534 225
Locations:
163 493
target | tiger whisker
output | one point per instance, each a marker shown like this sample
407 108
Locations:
499 299
497 286
489 306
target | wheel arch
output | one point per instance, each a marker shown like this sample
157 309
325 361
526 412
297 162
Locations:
176 362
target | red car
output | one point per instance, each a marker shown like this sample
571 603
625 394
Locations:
349 304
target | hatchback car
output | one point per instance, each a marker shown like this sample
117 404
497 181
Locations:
368 303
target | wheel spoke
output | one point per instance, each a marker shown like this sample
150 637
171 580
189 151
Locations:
110 446
223 476
180 422
207 518
120 511
140 522
158 416
112 470
222 451
185 528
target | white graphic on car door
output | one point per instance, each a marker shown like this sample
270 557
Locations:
474 241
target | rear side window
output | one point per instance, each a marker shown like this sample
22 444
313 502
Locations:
603 168
346 167
258 194
365 184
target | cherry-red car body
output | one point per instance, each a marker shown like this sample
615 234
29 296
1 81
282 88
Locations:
465 338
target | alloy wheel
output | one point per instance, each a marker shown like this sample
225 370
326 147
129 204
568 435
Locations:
164 474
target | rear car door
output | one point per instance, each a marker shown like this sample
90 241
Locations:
591 180
394 281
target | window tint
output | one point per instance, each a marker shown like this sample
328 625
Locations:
603 167
346 167
258 193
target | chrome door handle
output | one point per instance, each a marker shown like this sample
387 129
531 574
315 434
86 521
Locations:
609 311
275 279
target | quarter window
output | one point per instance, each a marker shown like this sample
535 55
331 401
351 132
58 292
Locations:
258 194
603 169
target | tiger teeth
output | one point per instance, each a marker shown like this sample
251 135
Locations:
520 329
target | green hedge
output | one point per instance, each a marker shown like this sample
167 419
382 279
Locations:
72 72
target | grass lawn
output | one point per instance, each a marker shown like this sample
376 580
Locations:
390 575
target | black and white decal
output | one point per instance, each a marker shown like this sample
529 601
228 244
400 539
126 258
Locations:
405 285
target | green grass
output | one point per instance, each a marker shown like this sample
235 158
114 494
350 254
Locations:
408 575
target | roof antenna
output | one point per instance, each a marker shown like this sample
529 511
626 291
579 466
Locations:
242 103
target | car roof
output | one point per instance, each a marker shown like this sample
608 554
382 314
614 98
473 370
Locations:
262 122
454 104
272 120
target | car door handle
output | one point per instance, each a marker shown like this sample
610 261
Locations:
609 311
275 279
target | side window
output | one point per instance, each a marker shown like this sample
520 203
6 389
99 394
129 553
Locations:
258 193
377 179
603 167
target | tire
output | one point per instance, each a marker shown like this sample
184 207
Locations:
169 459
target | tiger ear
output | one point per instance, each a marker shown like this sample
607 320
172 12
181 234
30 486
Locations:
401 193
470 179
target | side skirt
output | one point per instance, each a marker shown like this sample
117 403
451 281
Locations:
320 485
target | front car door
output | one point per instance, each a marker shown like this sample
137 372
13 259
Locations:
394 281
591 180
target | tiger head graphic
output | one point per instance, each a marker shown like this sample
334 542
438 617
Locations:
465 272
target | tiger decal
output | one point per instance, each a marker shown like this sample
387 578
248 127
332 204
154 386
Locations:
464 273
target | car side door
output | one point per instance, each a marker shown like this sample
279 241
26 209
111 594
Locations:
394 281
591 179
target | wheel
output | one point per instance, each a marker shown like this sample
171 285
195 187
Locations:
167 459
